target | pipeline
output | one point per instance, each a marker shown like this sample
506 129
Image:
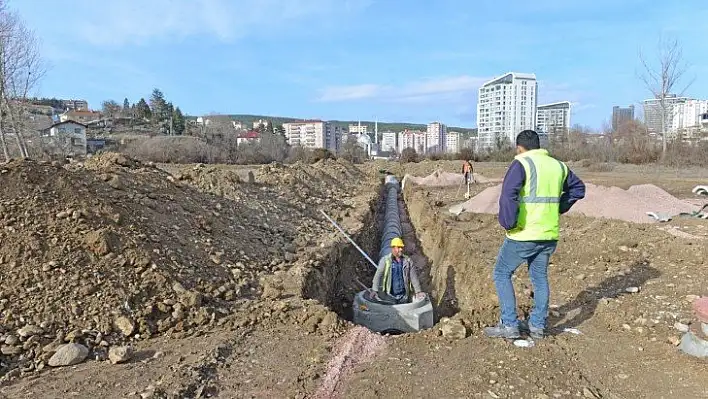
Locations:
392 219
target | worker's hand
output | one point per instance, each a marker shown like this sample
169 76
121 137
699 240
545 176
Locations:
420 296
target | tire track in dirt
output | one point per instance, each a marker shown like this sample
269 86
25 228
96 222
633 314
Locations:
357 346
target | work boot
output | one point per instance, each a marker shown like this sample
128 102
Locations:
502 331
533 332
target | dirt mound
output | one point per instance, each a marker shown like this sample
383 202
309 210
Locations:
115 249
601 202
440 178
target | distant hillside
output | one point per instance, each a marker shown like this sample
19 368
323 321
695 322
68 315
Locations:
383 126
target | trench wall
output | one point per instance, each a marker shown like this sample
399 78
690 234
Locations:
460 260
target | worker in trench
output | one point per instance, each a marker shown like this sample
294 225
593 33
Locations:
536 190
396 275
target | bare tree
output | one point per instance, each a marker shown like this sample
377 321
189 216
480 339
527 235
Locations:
662 77
21 67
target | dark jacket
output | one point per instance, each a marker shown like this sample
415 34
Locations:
573 190
410 277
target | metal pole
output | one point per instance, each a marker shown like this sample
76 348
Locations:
350 239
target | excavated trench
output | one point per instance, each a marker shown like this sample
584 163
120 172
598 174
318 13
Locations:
336 285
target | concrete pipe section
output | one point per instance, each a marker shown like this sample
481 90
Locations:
383 315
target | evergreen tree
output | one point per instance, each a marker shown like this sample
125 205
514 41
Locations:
178 121
142 110
126 105
280 130
158 106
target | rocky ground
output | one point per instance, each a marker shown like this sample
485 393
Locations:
122 279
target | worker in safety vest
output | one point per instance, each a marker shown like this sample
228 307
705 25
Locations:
396 275
536 190
468 171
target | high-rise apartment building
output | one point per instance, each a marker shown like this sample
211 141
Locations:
452 142
621 116
653 112
687 114
506 106
414 139
388 142
313 134
436 137
553 120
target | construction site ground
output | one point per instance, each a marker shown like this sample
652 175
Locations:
264 283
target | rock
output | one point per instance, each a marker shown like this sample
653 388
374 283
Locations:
681 327
11 340
125 325
10 350
580 277
454 329
69 355
29 330
632 290
120 354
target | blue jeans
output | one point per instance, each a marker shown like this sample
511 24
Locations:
511 255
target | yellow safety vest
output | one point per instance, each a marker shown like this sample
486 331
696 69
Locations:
387 274
539 198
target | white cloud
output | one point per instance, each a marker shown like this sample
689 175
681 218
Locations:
136 21
442 89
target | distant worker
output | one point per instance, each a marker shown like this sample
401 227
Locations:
536 190
468 171
396 275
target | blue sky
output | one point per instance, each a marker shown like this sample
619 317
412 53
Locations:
394 60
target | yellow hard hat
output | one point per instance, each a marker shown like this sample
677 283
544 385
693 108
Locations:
397 242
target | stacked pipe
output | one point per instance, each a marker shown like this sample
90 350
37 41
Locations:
392 219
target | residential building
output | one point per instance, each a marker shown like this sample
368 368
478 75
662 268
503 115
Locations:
248 137
452 142
82 116
358 129
553 120
414 139
75 105
621 116
65 138
257 124
436 137
682 114
704 121
313 134
687 114
506 106
653 112
388 142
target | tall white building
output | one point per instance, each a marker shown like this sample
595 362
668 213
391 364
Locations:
258 123
436 137
388 142
412 139
506 106
553 119
453 142
688 114
313 134
653 111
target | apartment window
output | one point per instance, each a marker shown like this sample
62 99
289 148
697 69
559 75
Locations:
77 130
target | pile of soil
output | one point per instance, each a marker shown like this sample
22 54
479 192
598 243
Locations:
115 250
630 205
440 178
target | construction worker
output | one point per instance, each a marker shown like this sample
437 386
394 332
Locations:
536 190
396 275
468 171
